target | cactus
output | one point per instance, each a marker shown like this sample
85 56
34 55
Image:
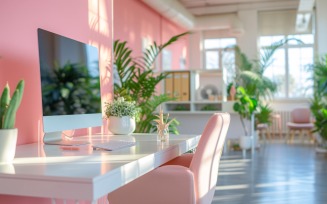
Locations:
4 102
9 107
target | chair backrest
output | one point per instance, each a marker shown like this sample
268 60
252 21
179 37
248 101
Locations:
301 115
205 162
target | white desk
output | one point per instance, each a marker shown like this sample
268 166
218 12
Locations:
47 171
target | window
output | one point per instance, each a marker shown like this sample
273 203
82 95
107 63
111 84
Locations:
216 52
289 67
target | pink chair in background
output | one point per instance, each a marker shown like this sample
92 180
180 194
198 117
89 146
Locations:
300 121
188 179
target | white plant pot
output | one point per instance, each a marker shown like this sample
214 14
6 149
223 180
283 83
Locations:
8 141
121 125
246 142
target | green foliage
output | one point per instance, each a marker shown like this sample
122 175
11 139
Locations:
209 107
319 69
70 90
245 106
229 86
181 107
319 102
250 75
120 108
9 106
264 114
319 110
136 81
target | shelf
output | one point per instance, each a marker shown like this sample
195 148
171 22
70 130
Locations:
207 102
193 112
209 73
178 102
187 86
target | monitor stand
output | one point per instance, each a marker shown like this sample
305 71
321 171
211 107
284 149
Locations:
54 138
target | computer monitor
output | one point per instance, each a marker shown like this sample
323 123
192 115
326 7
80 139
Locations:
70 85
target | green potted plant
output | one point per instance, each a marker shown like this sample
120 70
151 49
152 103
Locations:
122 115
263 115
245 106
319 111
8 132
136 80
319 102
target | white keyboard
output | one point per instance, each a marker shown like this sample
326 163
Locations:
112 145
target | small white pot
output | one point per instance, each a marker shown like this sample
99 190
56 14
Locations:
8 141
121 125
246 142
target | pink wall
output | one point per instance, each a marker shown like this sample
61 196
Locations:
134 20
86 21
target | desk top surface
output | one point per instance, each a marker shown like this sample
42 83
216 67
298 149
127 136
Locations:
86 173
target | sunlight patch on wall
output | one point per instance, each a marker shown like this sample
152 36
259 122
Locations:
98 17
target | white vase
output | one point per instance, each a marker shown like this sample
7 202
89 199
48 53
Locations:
246 142
8 141
121 125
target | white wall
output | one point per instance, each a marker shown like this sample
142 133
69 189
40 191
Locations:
248 41
194 123
321 27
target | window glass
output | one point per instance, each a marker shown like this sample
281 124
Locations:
228 63
299 83
227 42
305 38
212 59
276 72
268 40
211 43
214 50
289 67
219 43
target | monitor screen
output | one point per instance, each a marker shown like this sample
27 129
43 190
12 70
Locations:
70 83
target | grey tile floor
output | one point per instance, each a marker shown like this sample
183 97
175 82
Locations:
277 173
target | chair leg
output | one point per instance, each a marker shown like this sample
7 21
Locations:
302 135
268 134
287 136
280 129
313 141
292 133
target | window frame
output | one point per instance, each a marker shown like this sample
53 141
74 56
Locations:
220 51
286 48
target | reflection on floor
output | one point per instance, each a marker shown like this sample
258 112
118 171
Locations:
277 173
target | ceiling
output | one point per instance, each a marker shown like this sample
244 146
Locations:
207 14
210 7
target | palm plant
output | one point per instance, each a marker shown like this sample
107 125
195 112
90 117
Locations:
137 81
264 114
319 102
250 74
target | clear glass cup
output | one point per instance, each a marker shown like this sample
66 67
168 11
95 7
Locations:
163 134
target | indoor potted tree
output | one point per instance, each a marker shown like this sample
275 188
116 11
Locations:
319 102
122 115
8 132
319 110
245 106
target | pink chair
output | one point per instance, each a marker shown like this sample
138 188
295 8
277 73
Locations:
300 121
188 179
